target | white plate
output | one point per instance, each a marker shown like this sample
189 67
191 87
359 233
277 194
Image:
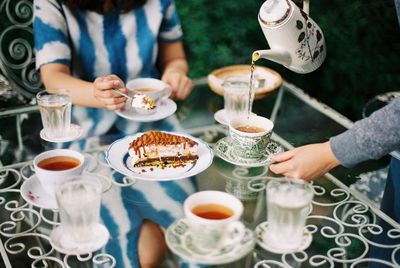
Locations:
164 109
261 231
224 149
74 134
118 158
179 239
60 241
33 193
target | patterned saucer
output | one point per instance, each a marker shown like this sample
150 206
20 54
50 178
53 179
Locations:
180 241
224 149
74 133
261 231
33 193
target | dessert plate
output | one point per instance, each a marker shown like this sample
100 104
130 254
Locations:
118 158
261 231
60 240
74 133
33 193
179 240
266 80
224 149
164 109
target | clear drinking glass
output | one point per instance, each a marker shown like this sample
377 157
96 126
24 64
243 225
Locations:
79 199
236 96
55 110
288 204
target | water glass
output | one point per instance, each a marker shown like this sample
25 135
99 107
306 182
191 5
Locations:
236 96
55 110
79 199
288 204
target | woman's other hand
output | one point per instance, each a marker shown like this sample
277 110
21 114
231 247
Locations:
181 84
306 162
103 86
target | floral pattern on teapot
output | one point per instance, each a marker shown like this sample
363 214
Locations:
307 28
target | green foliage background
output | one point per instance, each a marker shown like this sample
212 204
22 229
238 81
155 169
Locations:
362 40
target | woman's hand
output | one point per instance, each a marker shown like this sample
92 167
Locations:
180 83
306 162
103 86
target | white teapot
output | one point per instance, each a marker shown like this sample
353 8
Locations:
295 39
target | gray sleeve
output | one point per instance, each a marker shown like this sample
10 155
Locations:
369 138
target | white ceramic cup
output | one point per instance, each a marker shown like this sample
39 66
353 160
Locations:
288 205
214 234
50 178
251 145
154 88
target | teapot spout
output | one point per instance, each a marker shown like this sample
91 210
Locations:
281 57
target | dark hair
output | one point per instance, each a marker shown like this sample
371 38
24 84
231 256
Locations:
97 5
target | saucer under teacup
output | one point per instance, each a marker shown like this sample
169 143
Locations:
60 241
33 193
74 134
261 231
180 241
224 148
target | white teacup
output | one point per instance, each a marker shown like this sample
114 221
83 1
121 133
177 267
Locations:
251 135
213 219
154 88
52 167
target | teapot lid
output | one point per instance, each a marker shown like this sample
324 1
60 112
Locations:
273 12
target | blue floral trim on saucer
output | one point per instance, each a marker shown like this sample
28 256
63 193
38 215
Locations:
225 150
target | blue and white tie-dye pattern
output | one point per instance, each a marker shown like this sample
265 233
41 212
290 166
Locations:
125 44
93 45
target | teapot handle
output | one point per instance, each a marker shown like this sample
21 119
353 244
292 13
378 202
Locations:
306 6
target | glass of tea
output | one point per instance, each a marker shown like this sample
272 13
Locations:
213 218
55 165
251 135
288 205
55 111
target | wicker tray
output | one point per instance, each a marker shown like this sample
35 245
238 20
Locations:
268 79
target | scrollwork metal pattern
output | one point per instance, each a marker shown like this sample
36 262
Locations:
16 46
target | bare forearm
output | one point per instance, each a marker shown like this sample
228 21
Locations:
81 91
176 65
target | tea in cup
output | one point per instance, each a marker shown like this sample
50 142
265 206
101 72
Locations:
155 89
51 167
55 111
251 135
213 219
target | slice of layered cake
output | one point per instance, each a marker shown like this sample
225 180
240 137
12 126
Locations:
161 149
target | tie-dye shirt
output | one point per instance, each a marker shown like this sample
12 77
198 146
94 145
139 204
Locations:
93 44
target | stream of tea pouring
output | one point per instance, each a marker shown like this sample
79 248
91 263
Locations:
295 40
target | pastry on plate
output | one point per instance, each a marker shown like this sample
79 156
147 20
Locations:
161 149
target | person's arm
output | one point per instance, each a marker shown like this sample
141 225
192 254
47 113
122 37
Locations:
57 76
174 69
370 138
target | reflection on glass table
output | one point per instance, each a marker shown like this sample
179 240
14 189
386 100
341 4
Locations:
342 221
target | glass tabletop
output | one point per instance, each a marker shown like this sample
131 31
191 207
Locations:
344 220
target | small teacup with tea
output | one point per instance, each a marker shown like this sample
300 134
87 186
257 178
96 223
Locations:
213 219
53 166
155 89
251 135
